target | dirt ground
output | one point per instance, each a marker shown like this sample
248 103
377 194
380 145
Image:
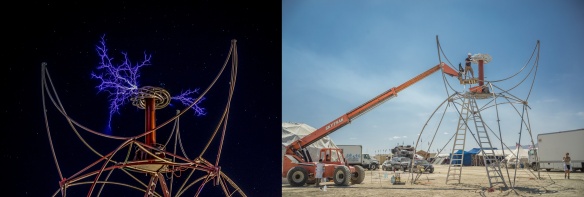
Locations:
474 182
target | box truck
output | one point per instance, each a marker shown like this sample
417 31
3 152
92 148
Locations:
355 156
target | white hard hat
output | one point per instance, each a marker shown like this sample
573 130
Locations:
469 54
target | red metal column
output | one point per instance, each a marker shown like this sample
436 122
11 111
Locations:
150 121
481 76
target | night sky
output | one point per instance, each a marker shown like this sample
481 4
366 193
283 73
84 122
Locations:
188 43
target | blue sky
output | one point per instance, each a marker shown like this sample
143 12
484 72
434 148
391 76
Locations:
337 55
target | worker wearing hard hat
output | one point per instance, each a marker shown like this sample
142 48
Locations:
468 67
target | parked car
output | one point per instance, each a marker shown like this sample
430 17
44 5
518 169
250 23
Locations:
400 163
386 166
423 165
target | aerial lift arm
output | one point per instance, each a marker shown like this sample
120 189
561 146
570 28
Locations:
365 107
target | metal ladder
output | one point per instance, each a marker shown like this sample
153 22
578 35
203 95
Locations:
492 164
456 159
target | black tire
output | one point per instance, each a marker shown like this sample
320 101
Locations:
373 166
534 167
548 170
342 175
359 175
431 170
297 176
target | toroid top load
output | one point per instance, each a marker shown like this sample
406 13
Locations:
485 57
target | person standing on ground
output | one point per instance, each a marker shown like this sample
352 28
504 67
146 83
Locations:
468 67
319 172
567 166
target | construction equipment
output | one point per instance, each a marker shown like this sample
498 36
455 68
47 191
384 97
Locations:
298 166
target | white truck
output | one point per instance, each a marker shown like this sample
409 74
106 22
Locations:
355 156
552 147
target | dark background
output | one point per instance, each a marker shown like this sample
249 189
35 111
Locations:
188 41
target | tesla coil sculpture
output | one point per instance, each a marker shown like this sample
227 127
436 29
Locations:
474 117
140 164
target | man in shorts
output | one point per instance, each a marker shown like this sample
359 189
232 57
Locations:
567 166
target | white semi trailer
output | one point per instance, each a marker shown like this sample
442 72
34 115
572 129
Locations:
552 147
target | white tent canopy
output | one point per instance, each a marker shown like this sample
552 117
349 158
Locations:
519 151
496 152
443 155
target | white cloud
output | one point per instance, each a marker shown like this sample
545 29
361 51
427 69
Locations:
353 138
405 136
396 137
581 115
445 133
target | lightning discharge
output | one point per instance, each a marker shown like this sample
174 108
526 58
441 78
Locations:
121 82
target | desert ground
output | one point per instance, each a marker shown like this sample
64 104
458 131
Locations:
473 182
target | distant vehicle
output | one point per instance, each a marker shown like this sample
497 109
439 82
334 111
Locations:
403 151
400 163
355 156
423 165
386 166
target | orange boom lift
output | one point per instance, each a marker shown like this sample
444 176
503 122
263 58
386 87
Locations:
298 166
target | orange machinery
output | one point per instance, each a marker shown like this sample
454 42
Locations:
298 166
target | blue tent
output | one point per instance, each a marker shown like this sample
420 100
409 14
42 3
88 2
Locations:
466 158
475 151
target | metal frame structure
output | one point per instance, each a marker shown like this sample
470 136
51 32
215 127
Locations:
469 114
146 166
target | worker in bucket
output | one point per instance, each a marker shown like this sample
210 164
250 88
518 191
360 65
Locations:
468 67
319 172
567 166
